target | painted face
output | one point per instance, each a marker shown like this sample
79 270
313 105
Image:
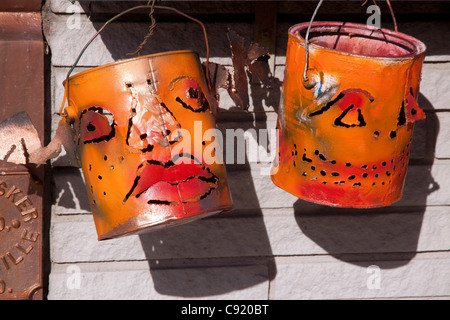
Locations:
345 142
141 142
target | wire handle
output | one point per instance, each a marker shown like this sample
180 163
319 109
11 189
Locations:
66 91
306 81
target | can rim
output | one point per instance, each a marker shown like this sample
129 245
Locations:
419 48
119 62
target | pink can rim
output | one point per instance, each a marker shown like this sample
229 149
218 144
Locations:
414 46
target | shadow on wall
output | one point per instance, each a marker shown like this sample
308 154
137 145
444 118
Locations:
238 238
395 229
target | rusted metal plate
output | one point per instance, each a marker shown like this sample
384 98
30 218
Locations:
20 236
22 67
21 186
21 5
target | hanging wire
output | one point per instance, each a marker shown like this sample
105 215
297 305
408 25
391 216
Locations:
393 15
150 30
305 77
77 60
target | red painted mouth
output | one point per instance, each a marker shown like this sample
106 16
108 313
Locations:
168 183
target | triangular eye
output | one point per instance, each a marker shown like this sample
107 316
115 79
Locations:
412 110
350 120
351 102
194 99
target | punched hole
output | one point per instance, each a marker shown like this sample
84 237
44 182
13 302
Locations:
90 127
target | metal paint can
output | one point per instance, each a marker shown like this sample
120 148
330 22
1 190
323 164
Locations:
141 136
345 136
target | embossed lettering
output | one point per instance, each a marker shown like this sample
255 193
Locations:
25 207
29 214
12 192
19 202
32 237
13 259
23 204
22 249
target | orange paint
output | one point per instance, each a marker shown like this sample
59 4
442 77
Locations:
131 118
345 142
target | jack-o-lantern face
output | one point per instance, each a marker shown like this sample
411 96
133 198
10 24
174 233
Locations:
139 130
345 142
154 130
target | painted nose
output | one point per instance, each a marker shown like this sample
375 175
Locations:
153 127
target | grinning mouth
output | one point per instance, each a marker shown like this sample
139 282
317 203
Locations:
166 183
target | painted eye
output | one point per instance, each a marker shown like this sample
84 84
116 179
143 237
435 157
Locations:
412 110
192 93
351 102
194 98
95 127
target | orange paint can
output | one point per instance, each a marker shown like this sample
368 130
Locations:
347 114
144 131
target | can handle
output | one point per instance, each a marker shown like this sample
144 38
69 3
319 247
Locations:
306 81
66 90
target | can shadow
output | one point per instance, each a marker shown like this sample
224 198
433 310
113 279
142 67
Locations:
349 234
224 253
